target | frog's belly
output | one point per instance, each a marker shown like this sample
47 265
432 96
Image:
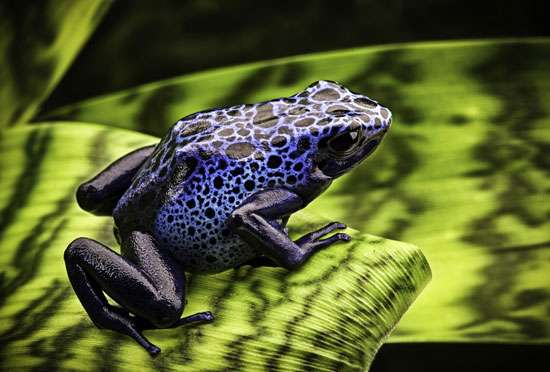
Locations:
201 243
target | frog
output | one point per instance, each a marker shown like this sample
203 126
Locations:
215 194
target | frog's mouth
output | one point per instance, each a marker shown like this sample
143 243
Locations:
334 165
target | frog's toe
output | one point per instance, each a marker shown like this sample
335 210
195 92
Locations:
341 236
153 350
340 225
316 235
208 316
321 243
118 319
202 317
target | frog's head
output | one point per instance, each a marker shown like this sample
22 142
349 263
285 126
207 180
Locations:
350 126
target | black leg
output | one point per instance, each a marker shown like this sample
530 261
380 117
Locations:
100 194
256 222
145 282
198 318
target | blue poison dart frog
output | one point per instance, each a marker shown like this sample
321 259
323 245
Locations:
214 194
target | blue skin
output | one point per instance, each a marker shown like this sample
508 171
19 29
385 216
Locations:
215 194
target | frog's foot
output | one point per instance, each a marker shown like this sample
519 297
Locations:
154 291
198 318
118 319
313 242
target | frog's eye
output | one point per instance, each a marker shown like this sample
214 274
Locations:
345 142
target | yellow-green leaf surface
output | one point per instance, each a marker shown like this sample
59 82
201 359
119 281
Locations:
38 42
463 173
332 314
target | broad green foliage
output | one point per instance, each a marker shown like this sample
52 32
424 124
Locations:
331 314
38 41
464 172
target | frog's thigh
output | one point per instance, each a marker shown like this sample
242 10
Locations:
145 281
101 194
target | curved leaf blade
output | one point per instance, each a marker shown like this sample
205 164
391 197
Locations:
331 314
38 42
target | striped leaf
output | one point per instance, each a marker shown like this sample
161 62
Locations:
38 41
464 172
332 314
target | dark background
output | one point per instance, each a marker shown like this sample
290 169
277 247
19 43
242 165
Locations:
143 41
461 357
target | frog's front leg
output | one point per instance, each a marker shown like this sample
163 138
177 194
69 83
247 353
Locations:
144 280
256 222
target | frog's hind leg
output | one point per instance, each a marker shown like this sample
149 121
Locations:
144 281
101 194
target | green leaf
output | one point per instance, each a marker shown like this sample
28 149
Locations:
331 314
463 173
38 41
